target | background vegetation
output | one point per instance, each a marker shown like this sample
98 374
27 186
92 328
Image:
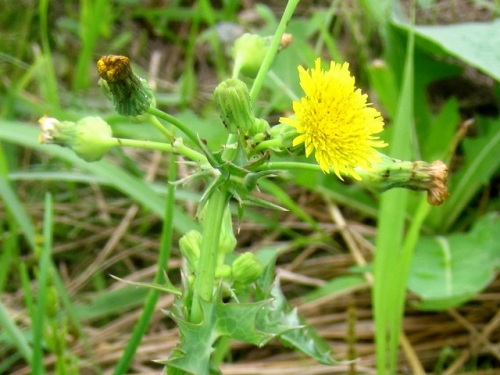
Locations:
439 89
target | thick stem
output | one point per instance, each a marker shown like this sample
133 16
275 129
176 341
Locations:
205 276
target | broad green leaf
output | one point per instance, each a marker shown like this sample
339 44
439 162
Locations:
475 43
441 132
449 270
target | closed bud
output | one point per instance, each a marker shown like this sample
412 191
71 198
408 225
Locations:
249 51
189 245
233 101
223 271
246 268
90 138
227 241
283 136
259 126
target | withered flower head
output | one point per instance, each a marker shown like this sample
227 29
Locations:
130 94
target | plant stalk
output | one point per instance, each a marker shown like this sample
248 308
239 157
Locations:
205 277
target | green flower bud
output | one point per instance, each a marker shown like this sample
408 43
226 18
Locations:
249 51
281 139
130 94
227 242
189 245
259 126
285 133
233 101
246 268
223 272
90 138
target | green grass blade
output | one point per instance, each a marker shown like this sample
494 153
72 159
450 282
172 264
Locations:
43 275
94 14
387 295
15 334
48 80
17 211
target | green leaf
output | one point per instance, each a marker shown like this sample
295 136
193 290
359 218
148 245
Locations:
440 132
107 303
476 43
300 336
252 322
167 287
336 286
448 271
481 162
235 320
18 212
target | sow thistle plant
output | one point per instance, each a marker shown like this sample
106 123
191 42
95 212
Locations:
225 295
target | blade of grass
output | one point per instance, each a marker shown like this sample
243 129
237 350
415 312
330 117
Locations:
93 15
10 254
48 79
15 334
19 214
388 289
42 277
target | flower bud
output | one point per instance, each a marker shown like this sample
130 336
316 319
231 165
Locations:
249 51
233 101
130 94
418 175
223 271
189 245
227 242
259 126
283 135
246 268
90 138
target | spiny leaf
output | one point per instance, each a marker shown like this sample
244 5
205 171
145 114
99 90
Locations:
301 336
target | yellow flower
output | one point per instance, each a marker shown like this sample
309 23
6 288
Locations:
334 120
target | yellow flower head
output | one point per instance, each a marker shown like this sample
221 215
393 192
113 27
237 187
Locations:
334 120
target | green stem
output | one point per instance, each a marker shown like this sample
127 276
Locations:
289 165
273 49
205 276
183 128
157 124
230 152
162 264
267 145
177 147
